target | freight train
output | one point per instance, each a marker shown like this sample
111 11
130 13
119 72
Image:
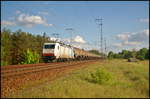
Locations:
62 52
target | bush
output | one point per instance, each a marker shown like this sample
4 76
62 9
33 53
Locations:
142 53
30 57
3 63
110 55
141 57
101 76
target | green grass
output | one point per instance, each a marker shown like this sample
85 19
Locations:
130 80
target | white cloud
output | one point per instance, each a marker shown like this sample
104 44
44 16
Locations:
132 39
66 40
146 32
18 12
79 39
26 20
43 13
125 43
117 45
30 21
53 38
123 36
79 45
131 43
7 23
144 20
46 24
78 42
142 36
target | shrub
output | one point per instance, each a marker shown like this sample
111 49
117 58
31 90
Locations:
101 76
141 57
110 55
141 54
30 58
3 63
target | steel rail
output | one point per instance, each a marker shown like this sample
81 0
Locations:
41 68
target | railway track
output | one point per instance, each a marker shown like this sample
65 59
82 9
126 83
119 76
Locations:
34 68
14 77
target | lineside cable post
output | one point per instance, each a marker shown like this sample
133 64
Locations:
56 35
71 31
101 34
105 48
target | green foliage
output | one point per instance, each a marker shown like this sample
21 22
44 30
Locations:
142 53
13 45
129 81
133 53
6 46
30 57
110 55
3 63
101 76
147 54
140 57
125 54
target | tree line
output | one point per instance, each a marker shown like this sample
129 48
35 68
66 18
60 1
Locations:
23 47
141 54
15 46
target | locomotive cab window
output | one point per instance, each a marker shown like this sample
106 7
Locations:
49 46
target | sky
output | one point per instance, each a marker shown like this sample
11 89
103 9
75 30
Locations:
125 23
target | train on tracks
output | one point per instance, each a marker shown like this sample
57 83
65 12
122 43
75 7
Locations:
61 52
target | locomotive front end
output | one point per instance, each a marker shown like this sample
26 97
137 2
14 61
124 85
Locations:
48 51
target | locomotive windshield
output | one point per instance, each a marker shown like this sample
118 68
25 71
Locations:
49 46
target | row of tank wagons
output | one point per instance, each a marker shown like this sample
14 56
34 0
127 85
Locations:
81 54
62 51
72 52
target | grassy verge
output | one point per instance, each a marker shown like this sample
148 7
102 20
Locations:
129 79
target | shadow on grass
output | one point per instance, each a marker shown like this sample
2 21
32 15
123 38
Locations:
90 80
132 76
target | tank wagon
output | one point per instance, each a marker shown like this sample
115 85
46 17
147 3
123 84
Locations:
82 54
61 52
